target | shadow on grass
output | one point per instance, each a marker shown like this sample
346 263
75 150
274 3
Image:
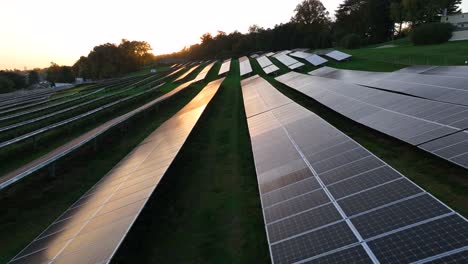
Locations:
207 207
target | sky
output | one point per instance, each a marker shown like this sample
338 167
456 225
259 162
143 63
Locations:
34 33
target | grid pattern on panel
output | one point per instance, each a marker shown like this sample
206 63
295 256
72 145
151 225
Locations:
439 88
411 119
354 255
91 230
354 202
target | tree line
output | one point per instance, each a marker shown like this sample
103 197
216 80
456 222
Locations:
372 21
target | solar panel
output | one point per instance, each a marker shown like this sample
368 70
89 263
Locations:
245 67
296 65
301 54
270 69
204 72
322 71
264 61
187 73
456 71
91 230
316 60
338 55
313 216
225 67
286 60
447 89
410 119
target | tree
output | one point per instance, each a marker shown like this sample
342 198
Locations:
426 11
310 12
33 77
370 19
397 14
60 74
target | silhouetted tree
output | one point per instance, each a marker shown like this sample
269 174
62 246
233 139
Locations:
309 12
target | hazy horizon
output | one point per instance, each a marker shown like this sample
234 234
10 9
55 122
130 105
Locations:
36 33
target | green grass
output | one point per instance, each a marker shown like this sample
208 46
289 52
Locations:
207 207
33 203
441 178
405 53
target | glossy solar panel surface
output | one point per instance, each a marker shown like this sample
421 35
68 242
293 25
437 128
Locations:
296 65
286 60
447 89
187 73
411 119
202 75
457 71
91 230
326 199
264 61
301 54
316 60
338 55
225 67
245 67
271 69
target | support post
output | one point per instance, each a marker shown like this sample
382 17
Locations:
52 169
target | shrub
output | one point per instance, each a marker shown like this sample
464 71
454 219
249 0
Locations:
351 41
432 33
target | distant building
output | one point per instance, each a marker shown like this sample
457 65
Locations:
460 21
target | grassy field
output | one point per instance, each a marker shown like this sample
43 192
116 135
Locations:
207 207
31 204
405 53
443 179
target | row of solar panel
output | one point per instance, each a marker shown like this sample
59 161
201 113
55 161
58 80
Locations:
440 88
326 199
31 167
91 230
411 119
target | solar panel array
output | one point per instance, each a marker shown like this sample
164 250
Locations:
301 54
326 199
264 61
245 67
202 75
91 230
271 69
313 59
288 61
33 166
267 65
440 88
187 73
414 120
225 67
456 71
338 55
316 60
